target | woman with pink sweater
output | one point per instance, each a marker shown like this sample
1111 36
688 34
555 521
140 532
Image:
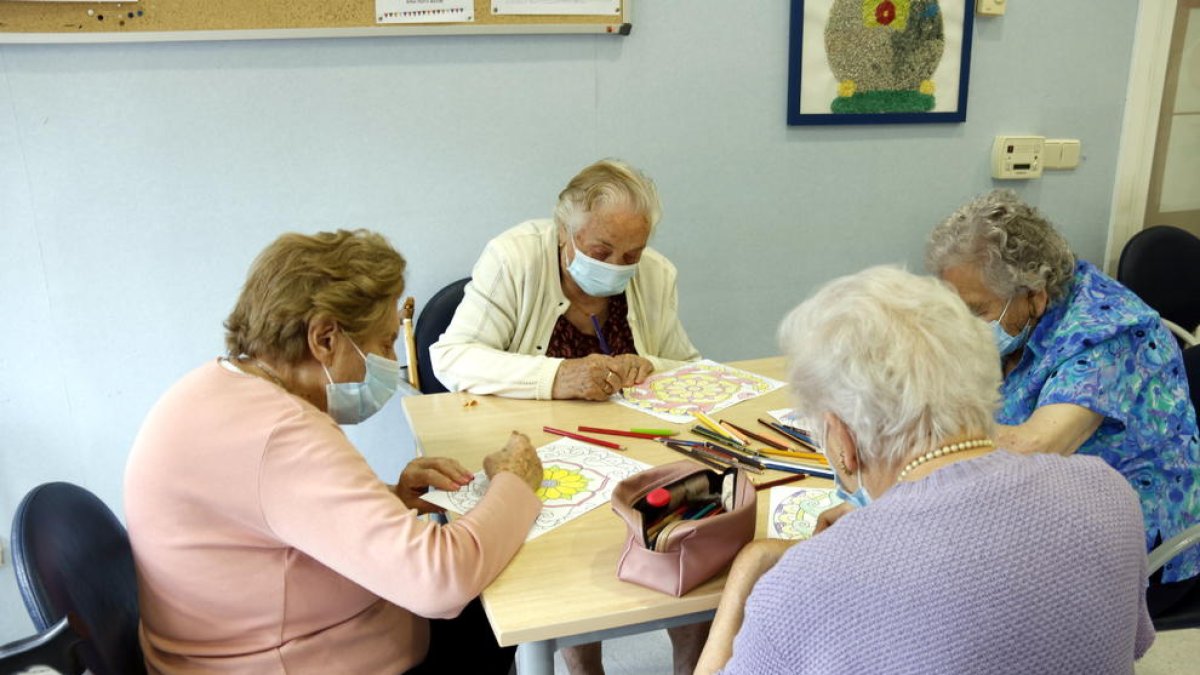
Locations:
264 542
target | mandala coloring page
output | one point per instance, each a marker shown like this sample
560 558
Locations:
794 511
704 386
576 478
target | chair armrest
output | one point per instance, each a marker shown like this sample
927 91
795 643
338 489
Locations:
1166 551
1189 339
54 647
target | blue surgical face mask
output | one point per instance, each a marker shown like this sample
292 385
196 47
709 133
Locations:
599 279
353 402
1006 343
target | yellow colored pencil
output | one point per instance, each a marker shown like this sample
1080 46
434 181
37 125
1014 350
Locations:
714 427
806 456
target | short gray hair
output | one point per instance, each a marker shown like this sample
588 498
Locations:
898 357
1013 246
609 182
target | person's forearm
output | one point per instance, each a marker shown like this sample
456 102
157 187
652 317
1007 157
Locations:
755 560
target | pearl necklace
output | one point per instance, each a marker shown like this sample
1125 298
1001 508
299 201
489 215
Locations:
943 451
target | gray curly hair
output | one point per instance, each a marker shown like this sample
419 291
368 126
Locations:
1011 243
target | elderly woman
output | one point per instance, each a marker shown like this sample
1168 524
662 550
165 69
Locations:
1088 367
263 541
959 557
571 308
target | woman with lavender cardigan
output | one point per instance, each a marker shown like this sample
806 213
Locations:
952 555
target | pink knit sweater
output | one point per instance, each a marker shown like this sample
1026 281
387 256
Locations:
264 543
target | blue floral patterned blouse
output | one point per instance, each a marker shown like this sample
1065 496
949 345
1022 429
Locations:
1104 349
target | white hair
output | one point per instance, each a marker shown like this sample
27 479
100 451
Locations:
607 183
898 357
1010 242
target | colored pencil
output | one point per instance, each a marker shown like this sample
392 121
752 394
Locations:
702 512
703 432
761 439
683 450
655 432
617 432
805 456
729 427
581 437
780 481
600 336
680 441
713 426
748 463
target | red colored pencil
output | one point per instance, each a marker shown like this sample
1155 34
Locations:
581 437
618 432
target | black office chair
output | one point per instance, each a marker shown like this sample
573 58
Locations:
72 558
1161 264
56 648
430 325
1191 365
1186 612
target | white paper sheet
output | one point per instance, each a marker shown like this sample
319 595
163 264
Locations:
794 511
610 7
704 386
578 477
424 11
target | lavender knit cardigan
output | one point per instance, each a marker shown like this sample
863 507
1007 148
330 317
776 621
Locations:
1002 563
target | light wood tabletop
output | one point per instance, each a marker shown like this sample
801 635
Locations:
564 583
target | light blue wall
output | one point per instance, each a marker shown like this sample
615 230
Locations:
138 181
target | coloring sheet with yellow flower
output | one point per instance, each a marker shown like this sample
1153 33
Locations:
794 511
704 386
577 477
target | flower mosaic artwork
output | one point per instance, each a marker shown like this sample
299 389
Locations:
884 54
576 478
794 511
704 386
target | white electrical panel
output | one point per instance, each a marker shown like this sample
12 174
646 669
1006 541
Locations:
990 7
1018 157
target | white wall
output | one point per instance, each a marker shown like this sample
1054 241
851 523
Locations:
138 181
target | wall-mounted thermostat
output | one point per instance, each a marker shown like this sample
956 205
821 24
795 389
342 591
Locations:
1015 157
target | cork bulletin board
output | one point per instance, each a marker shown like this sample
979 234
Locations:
179 20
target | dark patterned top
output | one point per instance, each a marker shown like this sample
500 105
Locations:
1103 349
567 342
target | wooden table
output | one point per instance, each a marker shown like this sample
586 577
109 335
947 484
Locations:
561 589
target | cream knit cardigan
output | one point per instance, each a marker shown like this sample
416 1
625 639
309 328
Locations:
496 341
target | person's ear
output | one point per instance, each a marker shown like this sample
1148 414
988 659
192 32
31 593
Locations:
1037 303
321 332
839 436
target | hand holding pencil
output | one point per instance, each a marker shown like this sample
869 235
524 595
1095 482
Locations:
596 377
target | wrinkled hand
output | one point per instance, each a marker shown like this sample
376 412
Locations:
517 457
830 516
596 377
631 368
426 472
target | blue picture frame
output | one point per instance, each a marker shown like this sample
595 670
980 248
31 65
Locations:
821 108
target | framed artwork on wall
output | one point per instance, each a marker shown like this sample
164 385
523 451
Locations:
879 61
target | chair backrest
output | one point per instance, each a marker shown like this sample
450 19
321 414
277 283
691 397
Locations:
1191 364
1161 264
56 648
431 323
72 556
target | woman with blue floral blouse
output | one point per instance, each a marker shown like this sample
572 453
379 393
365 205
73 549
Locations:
1088 367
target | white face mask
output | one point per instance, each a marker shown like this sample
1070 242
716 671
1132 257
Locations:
353 402
599 279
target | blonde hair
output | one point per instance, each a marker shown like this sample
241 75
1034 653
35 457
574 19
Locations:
898 357
350 277
607 183
1011 243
